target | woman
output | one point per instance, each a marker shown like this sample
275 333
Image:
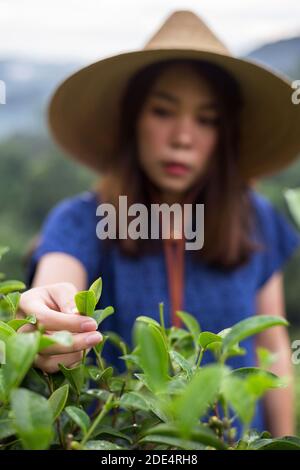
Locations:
173 123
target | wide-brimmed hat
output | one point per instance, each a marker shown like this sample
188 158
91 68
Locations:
83 113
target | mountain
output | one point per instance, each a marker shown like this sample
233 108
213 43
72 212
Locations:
29 84
281 55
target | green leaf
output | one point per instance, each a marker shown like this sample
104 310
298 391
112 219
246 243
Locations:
280 443
64 338
75 376
134 401
199 433
206 338
178 359
6 428
33 419
148 320
86 302
237 394
99 347
153 355
3 250
6 331
96 287
101 445
16 324
79 416
110 431
21 350
10 302
58 400
100 315
292 198
194 401
191 323
244 372
100 375
174 442
11 286
116 340
265 357
243 387
250 326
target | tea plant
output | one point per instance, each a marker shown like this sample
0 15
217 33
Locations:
292 198
165 399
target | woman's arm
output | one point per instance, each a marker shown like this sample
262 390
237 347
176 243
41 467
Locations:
60 267
279 403
51 299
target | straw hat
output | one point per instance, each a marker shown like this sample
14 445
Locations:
83 111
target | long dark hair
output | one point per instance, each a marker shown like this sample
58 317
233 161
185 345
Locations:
223 189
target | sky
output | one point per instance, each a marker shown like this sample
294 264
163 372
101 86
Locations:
77 30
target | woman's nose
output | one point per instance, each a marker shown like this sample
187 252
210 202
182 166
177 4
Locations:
183 133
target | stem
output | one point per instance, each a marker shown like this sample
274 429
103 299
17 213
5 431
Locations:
99 360
83 357
162 320
60 434
49 382
98 419
200 356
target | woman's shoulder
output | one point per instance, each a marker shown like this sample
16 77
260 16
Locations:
83 204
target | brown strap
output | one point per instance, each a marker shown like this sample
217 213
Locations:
174 250
174 256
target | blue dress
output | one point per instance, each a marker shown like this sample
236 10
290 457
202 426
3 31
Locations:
136 286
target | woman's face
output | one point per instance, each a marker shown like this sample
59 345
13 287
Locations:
177 129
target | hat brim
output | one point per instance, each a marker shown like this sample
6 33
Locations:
83 113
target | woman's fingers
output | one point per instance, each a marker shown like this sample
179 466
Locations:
55 321
63 294
50 363
81 341
52 305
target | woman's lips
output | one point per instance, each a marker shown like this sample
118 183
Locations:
177 169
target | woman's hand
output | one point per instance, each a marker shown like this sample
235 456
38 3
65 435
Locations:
54 307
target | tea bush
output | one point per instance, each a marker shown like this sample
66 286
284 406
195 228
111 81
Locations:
165 399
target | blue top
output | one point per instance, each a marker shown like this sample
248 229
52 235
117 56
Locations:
136 286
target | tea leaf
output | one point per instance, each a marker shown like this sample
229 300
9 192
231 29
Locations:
292 197
101 445
249 327
153 355
64 338
199 433
58 400
6 331
191 323
33 419
21 350
100 315
79 417
11 286
96 287
3 250
16 324
75 376
86 302
201 392
206 338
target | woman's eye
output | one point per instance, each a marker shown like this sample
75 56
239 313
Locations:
208 121
161 112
